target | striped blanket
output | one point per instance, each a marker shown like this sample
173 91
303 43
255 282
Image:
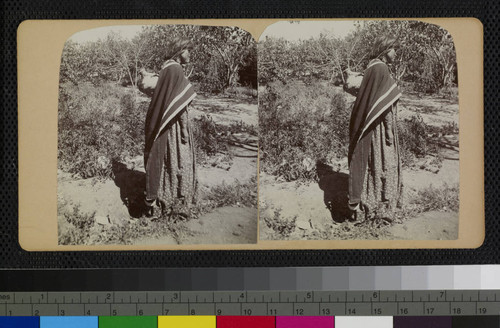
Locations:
377 94
172 94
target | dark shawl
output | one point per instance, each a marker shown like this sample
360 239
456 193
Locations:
172 94
377 94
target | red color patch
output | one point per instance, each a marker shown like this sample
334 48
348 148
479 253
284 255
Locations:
245 322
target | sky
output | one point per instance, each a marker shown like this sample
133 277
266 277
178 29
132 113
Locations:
290 31
294 31
126 31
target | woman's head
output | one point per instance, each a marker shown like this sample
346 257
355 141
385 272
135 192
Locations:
178 49
384 48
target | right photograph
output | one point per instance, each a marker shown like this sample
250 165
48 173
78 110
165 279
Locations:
358 131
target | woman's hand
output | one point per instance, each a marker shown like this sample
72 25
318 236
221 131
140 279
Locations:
389 139
184 135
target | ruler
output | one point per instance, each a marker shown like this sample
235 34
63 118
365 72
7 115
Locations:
261 303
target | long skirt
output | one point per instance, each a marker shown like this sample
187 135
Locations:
176 189
383 184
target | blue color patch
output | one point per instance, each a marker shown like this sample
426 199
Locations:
19 322
65 322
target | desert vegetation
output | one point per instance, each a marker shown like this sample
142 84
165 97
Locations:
102 109
305 101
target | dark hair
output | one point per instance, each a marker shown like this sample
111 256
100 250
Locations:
382 44
176 47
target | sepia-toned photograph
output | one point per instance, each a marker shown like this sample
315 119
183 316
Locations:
358 131
157 136
251 134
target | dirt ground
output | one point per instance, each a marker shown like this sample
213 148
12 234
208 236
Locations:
303 203
313 219
110 199
225 110
295 211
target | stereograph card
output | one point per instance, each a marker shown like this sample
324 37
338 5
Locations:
250 134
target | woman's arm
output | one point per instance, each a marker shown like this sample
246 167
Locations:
183 122
387 121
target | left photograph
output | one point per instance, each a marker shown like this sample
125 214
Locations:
157 136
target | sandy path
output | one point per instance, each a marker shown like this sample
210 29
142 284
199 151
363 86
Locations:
226 110
306 203
223 225
434 110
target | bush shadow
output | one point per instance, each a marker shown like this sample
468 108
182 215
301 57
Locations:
132 186
335 186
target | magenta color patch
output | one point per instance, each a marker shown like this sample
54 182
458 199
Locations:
305 322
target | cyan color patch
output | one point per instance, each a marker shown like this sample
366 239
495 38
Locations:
69 322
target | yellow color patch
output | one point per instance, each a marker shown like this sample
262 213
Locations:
173 321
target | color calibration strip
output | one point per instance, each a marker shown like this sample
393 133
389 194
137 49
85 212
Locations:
253 303
223 279
250 322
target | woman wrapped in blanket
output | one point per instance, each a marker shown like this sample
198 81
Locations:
169 155
375 175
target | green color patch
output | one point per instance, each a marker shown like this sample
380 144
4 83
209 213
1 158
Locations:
128 322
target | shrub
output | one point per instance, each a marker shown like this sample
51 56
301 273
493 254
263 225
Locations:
414 140
449 128
214 79
239 127
211 138
426 84
300 124
242 92
208 137
445 198
80 220
282 227
450 93
74 225
238 193
96 126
